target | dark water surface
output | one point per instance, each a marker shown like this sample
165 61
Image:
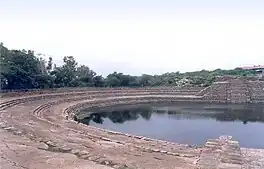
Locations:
184 123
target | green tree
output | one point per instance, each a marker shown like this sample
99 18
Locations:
67 73
49 66
99 81
19 69
113 81
145 80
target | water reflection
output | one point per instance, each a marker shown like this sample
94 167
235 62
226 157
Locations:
119 116
243 113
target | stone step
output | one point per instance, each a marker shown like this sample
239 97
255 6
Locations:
222 153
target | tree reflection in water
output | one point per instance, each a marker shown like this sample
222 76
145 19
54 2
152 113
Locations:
244 113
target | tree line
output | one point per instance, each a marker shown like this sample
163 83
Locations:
23 69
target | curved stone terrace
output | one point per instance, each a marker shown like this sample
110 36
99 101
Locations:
38 131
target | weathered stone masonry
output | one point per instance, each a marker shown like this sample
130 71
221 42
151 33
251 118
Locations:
40 122
236 90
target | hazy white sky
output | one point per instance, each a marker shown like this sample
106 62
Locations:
139 36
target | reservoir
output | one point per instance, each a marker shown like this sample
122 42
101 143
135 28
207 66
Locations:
183 123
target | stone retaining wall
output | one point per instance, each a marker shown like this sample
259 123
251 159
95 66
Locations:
257 91
74 109
40 128
178 90
234 90
237 90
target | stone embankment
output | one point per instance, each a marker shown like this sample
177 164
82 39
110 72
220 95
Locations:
37 131
234 90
